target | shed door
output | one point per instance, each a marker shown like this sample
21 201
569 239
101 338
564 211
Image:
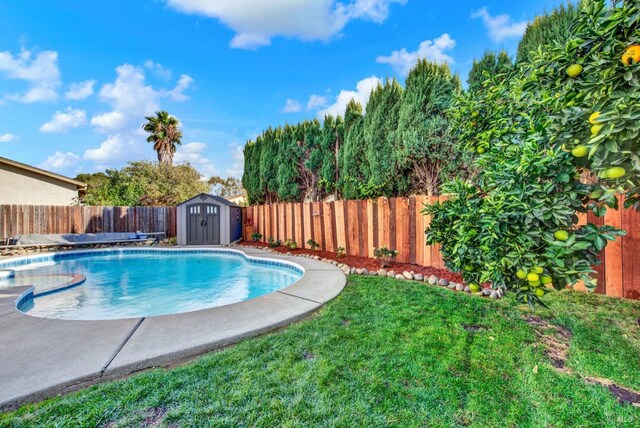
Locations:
203 224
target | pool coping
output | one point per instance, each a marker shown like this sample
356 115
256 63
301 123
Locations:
47 357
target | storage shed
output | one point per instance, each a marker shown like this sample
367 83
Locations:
208 220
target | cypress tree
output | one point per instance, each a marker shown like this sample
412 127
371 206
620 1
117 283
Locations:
491 64
352 153
251 176
268 165
554 27
379 131
425 144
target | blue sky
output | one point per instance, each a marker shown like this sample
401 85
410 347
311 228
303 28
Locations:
78 77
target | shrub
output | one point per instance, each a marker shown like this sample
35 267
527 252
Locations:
313 244
274 243
290 244
256 236
385 256
341 252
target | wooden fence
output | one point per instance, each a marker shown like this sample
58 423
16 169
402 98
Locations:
397 223
46 219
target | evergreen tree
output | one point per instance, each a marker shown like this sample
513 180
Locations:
491 64
251 177
288 174
352 153
379 131
554 27
268 164
425 147
331 142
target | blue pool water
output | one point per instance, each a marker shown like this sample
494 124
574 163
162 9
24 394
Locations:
127 285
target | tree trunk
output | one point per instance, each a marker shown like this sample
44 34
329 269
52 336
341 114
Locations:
165 157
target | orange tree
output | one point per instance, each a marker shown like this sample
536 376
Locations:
599 112
515 226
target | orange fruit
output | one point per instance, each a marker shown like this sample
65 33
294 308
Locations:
474 287
580 151
574 70
561 235
593 119
595 129
540 292
532 277
631 55
521 274
615 172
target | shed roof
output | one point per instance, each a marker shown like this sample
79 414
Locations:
219 199
80 185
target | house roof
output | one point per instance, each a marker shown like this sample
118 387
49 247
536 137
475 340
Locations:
220 199
80 185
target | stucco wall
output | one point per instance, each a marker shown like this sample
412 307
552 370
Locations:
21 187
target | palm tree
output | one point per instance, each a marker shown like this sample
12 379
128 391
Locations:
165 135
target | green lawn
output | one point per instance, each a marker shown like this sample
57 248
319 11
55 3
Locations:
386 353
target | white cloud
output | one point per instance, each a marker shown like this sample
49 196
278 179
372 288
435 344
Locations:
292 106
157 69
39 71
361 95
118 149
500 27
177 93
237 155
80 90
131 98
64 121
256 22
60 161
433 50
316 101
195 154
7 138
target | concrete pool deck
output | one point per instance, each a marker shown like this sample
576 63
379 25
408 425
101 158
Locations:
42 357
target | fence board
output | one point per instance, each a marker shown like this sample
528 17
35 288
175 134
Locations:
50 219
397 223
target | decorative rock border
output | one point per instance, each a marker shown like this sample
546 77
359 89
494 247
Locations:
405 275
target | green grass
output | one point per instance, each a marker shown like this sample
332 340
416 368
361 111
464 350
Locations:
386 353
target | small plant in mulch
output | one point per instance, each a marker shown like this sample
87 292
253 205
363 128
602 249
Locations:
341 252
290 244
313 244
273 243
385 256
256 237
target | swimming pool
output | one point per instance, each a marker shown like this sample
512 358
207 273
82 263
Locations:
128 283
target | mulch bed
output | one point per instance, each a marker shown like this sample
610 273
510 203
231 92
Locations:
366 262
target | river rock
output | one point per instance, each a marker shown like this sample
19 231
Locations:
467 289
382 272
391 274
418 277
459 287
433 279
407 275
443 282
398 276
373 273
